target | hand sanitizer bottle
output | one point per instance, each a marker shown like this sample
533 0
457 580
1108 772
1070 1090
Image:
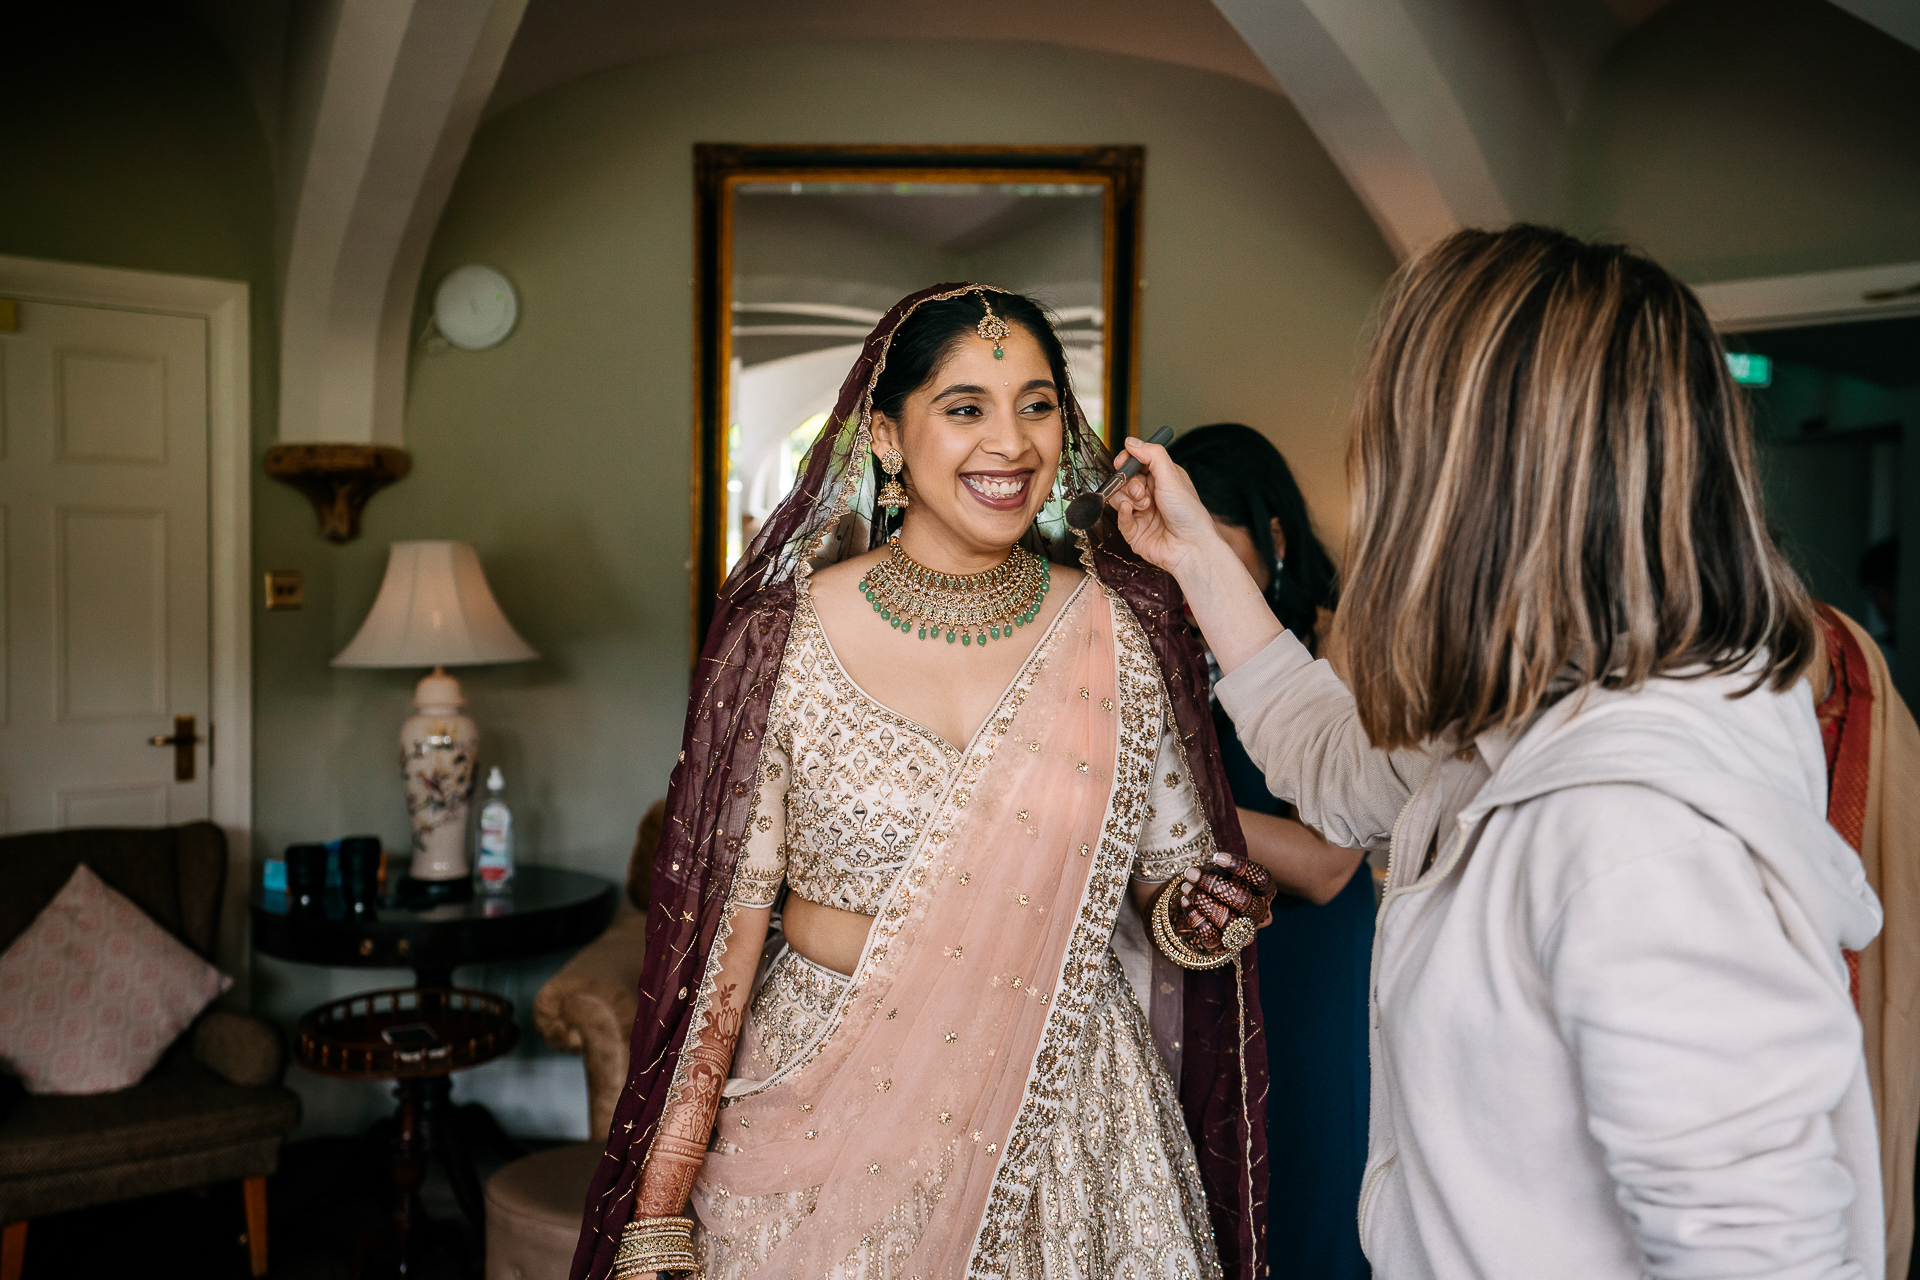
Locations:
496 838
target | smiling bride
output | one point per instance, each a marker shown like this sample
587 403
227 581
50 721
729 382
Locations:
943 779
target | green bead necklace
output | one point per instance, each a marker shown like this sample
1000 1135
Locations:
967 609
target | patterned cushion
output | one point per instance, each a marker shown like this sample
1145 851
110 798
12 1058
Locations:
93 992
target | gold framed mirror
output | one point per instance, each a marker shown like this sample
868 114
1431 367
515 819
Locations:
799 250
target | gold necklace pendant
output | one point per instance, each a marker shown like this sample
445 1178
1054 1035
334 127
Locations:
969 608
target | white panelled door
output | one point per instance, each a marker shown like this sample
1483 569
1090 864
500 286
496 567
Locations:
104 560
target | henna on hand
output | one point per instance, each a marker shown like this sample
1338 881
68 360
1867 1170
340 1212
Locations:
680 1148
1231 894
1212 898
1197 931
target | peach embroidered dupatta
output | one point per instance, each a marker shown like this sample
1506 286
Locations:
920 1117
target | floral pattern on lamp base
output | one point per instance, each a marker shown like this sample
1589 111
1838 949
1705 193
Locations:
437 749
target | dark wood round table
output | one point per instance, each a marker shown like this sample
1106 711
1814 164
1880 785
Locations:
548 910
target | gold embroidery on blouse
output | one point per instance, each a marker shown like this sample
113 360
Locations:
755 886
1166 864
864 779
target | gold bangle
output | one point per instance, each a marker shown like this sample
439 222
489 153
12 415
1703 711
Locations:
648 1245
1239 932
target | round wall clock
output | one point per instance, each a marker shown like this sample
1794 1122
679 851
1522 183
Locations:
475 308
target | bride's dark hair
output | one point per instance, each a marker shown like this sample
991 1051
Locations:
935 328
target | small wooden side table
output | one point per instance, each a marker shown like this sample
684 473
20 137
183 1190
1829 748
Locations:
416 1037
550 909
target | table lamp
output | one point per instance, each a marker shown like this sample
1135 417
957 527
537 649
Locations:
435 610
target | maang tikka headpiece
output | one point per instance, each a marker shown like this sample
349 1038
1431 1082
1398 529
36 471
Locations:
992 327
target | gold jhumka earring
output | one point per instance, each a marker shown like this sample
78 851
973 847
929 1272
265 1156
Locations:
993 329
893 494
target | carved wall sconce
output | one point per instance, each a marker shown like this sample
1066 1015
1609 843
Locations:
338 479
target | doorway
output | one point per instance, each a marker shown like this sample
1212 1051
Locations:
1836 410
123 558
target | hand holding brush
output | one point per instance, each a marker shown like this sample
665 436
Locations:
1084 511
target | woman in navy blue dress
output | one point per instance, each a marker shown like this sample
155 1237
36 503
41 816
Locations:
1315 955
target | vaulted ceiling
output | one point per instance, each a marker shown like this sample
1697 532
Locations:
562 40
1440 113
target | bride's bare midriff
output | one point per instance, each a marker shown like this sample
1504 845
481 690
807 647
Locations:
833 939
828 936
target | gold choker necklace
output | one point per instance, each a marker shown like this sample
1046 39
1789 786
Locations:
971 608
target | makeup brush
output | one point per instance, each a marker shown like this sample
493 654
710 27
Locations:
1084 511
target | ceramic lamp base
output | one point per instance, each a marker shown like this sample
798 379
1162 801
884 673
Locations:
437 748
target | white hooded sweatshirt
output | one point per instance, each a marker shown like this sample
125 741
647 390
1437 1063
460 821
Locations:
1611 1030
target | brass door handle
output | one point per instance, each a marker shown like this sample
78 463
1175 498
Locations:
183 741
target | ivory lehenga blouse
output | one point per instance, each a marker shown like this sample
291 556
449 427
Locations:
846 787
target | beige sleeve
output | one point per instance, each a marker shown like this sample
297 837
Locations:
1175 835
763 863
1298 722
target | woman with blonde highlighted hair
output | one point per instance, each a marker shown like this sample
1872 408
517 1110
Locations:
1611 1030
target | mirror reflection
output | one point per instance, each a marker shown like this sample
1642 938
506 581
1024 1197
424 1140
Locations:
816 264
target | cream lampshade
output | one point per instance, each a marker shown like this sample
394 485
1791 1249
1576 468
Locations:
435 610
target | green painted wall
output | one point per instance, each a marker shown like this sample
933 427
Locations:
143 151
564 453
1738 138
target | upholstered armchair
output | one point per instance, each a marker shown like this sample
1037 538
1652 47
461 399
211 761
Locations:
588 1007
212 1110
534 1205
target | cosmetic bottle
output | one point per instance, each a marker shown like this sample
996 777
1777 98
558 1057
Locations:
496 838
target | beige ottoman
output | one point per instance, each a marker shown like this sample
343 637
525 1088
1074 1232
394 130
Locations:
534 1207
